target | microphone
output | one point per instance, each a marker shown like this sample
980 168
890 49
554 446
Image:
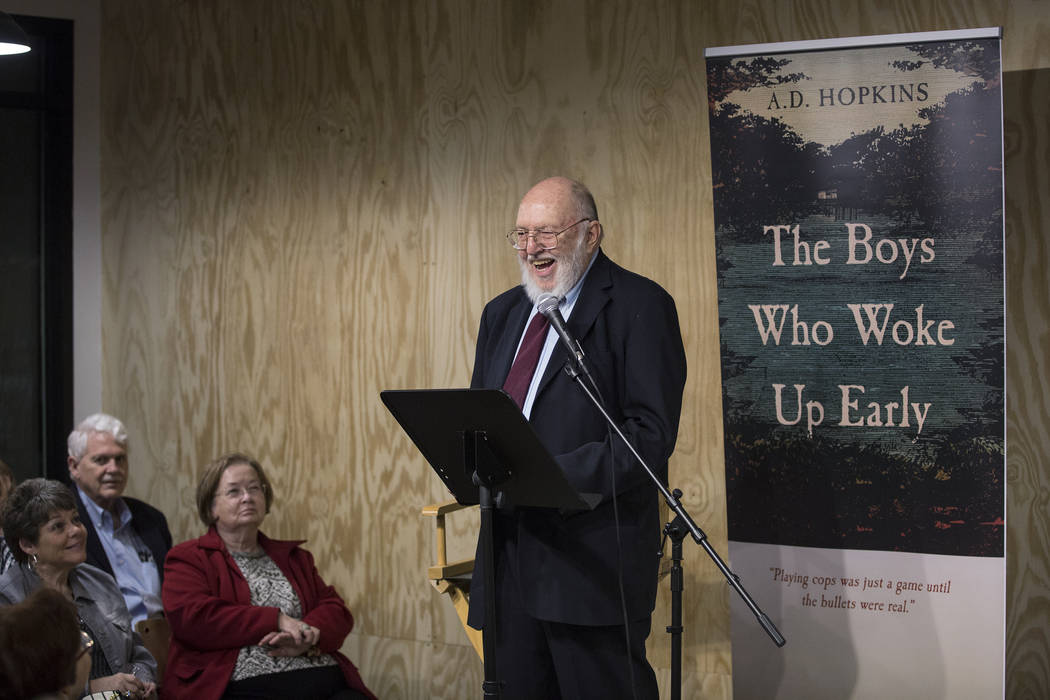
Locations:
547 305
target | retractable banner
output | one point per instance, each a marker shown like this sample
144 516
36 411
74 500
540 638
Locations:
858 199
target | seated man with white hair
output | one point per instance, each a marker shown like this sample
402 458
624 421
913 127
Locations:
127 538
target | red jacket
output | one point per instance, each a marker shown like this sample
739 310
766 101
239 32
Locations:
208 605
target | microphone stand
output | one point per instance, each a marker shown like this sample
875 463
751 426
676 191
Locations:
682 525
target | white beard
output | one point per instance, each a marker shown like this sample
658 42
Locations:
571 267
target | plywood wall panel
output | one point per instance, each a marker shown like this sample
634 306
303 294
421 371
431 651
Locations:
418 669
1027 144
303 205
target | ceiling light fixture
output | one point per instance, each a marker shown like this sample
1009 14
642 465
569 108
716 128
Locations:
12 39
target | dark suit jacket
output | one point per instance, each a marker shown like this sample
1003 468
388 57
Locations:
147 521
567 563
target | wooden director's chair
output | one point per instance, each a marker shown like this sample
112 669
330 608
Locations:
452 578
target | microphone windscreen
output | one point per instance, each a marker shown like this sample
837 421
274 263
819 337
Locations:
547 303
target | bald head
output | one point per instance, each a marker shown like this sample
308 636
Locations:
562 195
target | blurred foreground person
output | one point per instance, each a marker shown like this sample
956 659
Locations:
45 535
43 653
250 616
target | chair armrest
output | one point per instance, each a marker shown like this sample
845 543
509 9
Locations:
443 508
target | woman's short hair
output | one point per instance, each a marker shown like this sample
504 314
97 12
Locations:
28 507
209 483
39 644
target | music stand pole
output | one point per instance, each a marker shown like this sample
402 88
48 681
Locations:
482 478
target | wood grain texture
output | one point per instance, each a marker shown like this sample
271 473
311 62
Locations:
303 205
1027 145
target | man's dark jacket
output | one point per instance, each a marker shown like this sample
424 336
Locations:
567 564
147 521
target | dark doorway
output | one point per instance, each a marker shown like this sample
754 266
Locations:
36 270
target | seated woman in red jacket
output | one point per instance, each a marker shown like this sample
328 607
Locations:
250 616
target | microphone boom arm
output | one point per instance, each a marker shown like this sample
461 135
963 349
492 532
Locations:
683 518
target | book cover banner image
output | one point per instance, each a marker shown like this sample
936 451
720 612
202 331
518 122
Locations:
858 200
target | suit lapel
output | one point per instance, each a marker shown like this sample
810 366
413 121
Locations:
593 298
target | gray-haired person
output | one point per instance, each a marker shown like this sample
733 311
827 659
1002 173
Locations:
127 538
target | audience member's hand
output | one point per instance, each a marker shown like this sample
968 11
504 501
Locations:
293 637
124 683
290 649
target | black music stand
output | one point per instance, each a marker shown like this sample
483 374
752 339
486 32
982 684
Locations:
480 444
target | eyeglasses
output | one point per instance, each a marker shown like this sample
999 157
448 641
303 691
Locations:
547 240
86 644
235 493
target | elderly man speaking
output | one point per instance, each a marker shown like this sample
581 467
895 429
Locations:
126 537
575 591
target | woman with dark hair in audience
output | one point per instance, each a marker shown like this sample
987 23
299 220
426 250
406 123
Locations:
43 653
43 530
250 616
7 481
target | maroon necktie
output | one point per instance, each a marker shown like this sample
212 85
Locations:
517 384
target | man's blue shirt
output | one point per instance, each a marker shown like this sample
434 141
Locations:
133 563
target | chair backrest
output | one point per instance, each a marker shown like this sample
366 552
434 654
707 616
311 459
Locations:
156 635
453 578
